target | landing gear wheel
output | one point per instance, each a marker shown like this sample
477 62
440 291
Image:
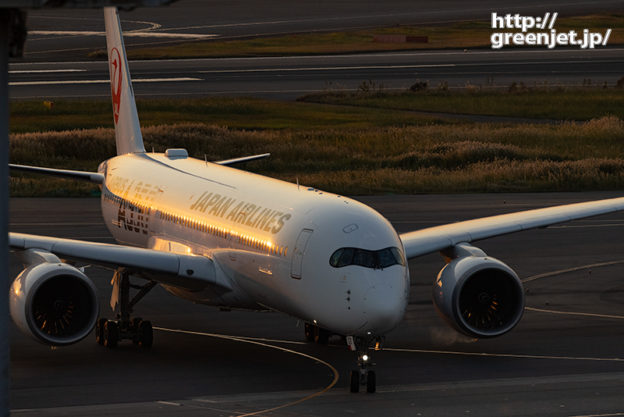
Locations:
110 334
371 383
364 375
134 329
321 336
355 380
309 332
99 331
136 322
145 335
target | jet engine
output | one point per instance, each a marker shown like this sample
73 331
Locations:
53 302
478 295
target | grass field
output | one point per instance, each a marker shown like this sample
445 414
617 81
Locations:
518 101
453 35
238 113
348 149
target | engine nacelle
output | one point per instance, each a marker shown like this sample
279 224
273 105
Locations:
479 296
54 302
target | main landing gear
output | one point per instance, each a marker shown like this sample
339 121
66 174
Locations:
364 376
110 332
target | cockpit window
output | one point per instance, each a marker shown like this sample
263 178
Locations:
376 259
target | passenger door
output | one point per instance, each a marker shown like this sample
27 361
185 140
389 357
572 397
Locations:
297 256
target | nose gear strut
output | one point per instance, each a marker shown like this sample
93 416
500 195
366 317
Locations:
364 376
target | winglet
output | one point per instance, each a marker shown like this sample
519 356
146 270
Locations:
127 128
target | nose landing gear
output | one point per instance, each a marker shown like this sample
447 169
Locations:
364 376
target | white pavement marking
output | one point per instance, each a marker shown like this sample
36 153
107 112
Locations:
600 415
366 67
329 68
359 56
506 355
574 313
255 342
46 71
169 403
565 271
142 33
139 80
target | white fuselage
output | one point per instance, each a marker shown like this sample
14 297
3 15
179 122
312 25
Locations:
271 241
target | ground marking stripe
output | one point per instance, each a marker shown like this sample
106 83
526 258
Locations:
601 415
142 33
574 313
139 80
340 68
505 355
577 268
255 342
46 71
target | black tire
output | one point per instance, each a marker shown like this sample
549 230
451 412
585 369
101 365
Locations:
321 336
136 322
111 334
371 382
309 332
99 331
355 380
145 335
134 328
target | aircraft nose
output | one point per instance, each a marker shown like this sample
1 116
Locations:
385 307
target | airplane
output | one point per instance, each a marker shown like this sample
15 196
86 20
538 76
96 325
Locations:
215 234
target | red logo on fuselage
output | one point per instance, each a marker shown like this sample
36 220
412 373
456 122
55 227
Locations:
116 75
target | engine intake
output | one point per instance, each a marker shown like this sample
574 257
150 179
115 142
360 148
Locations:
479 295
54 302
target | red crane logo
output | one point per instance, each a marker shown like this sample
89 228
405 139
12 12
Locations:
116 77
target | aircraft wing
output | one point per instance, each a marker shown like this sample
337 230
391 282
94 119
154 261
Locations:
188 271
432 239
95 177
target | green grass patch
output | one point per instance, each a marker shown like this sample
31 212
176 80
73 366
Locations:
453 35
518 101
237 113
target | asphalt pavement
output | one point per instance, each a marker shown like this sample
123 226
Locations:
565 358
291 77
82 30
56 66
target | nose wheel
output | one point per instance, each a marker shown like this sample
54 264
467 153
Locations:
363 376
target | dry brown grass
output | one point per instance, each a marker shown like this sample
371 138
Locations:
432 158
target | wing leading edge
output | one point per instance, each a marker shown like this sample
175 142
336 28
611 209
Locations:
432 239
95 177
